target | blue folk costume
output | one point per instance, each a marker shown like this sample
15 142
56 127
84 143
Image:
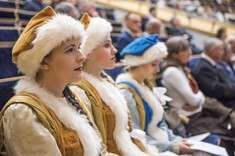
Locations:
145 106
145 103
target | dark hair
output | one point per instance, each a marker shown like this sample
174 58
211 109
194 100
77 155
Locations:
71 98
127 16
173 19
176 44
152 9
220 32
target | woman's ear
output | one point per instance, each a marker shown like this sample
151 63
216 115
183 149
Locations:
174 55
44 64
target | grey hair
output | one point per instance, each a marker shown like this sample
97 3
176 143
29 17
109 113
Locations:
84 3
210 43
66 8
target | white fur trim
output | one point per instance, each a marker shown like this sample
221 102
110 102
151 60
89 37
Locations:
117 103
96 32
67 114
153 102
158 51
48 36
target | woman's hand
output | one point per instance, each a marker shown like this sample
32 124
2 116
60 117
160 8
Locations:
185 147
189 108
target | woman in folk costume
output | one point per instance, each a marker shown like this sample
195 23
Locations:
44 118
99 92
107 105
142 58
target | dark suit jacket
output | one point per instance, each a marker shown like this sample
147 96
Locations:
31 5
123 40
213 84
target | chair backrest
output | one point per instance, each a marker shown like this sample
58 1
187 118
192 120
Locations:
115 71
106 13
9 33
7 4
7 22
7 68
193 62
6 89
7 12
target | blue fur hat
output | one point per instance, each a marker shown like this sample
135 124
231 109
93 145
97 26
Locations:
144 50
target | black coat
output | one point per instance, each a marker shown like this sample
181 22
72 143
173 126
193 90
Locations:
213 84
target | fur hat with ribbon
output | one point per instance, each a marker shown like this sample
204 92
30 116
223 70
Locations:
44 32
96 30
144 50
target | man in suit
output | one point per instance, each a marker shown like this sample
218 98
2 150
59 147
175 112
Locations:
34 5
132 30
176 29
210 80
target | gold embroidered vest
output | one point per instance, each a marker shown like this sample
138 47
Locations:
67 139
104 118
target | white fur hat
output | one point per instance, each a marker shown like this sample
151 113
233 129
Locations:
144 50
45 31
96 31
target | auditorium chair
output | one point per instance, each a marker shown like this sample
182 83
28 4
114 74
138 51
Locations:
6 89
115 71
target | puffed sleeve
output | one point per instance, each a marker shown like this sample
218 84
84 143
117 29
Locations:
132 108
24 134
160 145
172 137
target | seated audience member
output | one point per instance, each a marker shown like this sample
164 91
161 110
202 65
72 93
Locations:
68 9
230 15
210 80
75 3
100 93
225 65
221 34
177 30
142 58
152 15
154 26
34 5
132 30
44 117
89 7
54 3
187 99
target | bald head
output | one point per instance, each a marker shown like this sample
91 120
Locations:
153 26
68 9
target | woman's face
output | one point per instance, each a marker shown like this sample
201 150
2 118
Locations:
104 54
151 69
183 57
64 64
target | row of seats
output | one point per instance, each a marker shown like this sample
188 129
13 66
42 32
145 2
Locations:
223 7
8 37
15 17
6 89
107 13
